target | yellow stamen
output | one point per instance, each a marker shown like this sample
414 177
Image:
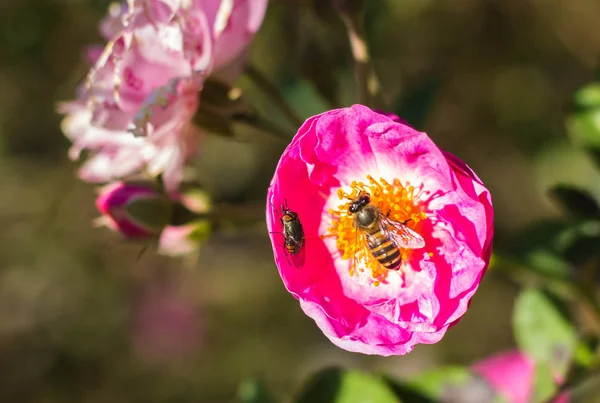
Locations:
393 200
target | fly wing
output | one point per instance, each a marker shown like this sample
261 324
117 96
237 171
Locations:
298 257
402 235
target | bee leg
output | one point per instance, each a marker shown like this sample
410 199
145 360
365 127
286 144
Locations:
405 221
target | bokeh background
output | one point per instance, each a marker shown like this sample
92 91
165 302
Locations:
86 317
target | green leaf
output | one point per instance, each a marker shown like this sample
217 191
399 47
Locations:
253 391
580 242
543 383
335 385
583 125
304 98
584 129
538 248
584 355
587 97
544 332
577 203
583 249
452 384
407 392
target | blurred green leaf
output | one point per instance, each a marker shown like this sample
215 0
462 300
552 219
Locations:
253 391
580 242
452 384
583 125
583 249
408 393
543 383
577 203
584 354
538 248
587 97
304 98
545 333
335 385
415 105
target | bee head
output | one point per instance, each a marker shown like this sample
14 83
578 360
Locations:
359 203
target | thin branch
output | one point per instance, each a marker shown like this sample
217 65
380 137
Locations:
369 89
275 95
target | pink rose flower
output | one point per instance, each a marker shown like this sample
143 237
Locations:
512 375
134 115
116 203
357 303
160 40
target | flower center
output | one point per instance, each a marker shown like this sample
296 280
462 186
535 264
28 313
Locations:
394 202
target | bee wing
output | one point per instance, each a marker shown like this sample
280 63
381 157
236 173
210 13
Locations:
402 234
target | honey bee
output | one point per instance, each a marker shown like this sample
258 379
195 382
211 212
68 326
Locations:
384 236
293 236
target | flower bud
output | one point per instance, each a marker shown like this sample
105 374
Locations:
135 210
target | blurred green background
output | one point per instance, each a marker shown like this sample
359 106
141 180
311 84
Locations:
83 319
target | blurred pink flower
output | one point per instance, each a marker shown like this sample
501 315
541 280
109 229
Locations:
165 325
511 374
124 207
358 304
134 114
116 153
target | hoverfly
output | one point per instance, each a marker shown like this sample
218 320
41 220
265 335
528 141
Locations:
293 236
384 236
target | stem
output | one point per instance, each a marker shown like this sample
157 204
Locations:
265 125
275 95
369 89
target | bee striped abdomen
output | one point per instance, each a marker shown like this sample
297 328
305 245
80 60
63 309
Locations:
383 249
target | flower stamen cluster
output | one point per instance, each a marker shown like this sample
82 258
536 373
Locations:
395 201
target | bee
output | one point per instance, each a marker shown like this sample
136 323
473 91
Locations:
293 236
384 236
